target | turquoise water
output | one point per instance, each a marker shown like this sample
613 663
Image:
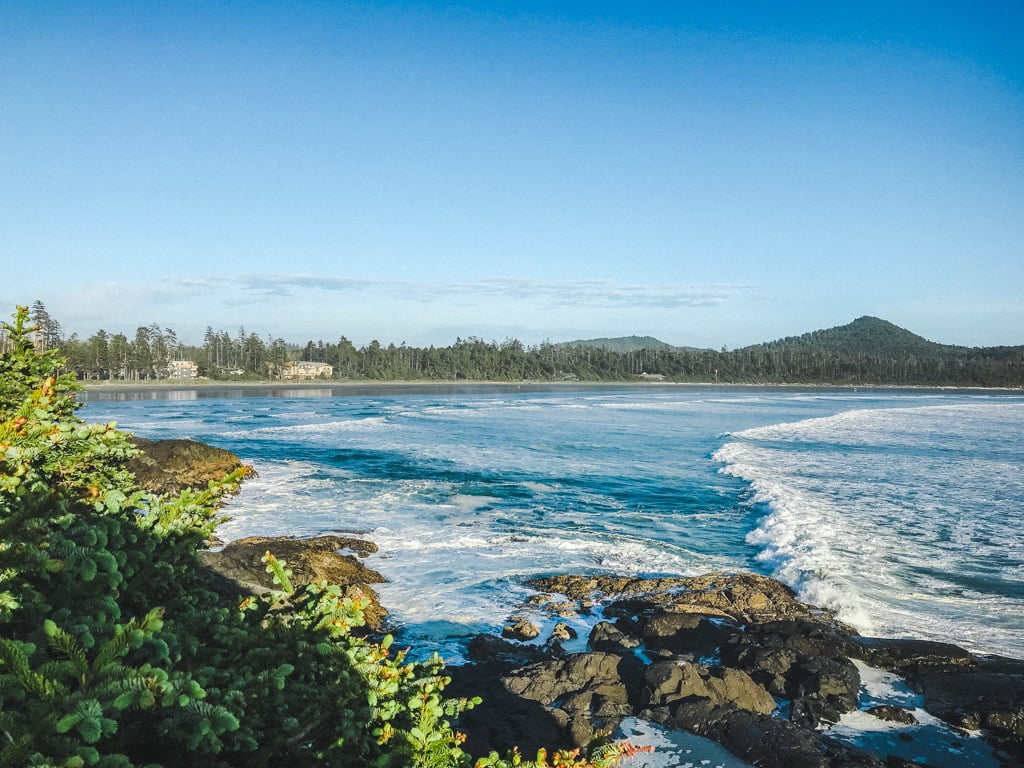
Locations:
901 509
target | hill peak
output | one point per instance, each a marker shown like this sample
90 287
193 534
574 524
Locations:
866 334
620 343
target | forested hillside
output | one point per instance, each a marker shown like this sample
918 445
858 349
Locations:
865 352
620 343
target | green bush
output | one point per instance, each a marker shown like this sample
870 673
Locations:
116 652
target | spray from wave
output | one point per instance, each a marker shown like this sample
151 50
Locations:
899 519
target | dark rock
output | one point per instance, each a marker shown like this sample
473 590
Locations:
893 714
999 664
490 648
975 699
765 643
768 666
563 632
609 638
822 689
669 682
586 692
170 466
503 720
744 597
808 637
803 659
545 682
909 656
684 632
768 742
520 629
241 565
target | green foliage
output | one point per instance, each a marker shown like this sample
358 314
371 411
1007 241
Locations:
116 652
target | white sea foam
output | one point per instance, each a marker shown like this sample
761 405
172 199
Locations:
672 748
890 515
931 741
313 430
905 519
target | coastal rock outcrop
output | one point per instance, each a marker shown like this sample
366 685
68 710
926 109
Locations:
240 564
732 657
170 466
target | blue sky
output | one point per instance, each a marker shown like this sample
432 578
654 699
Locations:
708 173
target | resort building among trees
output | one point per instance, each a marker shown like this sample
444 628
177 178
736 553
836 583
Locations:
182 369
305 369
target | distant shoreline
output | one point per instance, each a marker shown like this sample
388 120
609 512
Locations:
351 386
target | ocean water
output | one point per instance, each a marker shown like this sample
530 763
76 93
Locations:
901 509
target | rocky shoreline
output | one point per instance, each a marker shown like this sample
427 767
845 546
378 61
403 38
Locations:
734 658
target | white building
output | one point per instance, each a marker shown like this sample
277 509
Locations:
307 370
182 369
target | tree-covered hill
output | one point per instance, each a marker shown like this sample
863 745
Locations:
864 336
619 343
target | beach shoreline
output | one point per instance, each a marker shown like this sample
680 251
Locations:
420 386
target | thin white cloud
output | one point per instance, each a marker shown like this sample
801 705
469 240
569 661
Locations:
308 306
561 293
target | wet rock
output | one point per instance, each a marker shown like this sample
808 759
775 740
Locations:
768 742
807 637
909 656
685 632
803 659
240 565
669 682
545 682
893 714
504 720
768 666
975 699
743 596
563 608
521 629
585 692
822 690
563 632
606 637
763 643
587 587
170 466
490 648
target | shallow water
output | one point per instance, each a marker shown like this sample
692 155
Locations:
901 509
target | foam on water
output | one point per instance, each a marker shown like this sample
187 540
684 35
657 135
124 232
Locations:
311 431
896 517
906 519
928 741
672 748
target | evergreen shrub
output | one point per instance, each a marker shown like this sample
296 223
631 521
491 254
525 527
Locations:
115 651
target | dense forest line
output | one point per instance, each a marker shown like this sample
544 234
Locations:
864 352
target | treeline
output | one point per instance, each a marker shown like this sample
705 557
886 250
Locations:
475 359
866 352
148 353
